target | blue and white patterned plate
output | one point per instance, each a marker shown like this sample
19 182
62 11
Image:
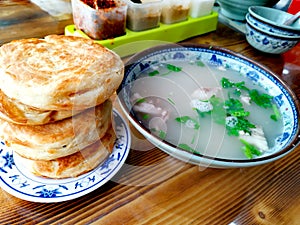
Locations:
22 184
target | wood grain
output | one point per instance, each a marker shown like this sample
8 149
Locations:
154 188
22 19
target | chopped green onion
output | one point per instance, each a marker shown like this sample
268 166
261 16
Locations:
146 116
187 148
250 150
173 68
162 134
218 113
153 73
171 101
276 116
140 100
202 114
200 63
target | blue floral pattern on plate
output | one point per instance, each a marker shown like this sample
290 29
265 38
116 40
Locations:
17 181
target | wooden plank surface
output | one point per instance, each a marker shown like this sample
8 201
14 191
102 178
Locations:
23 19
154 188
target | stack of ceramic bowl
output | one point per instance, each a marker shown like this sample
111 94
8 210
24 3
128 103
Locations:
266 32
237 9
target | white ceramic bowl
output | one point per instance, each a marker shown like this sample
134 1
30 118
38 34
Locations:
265 41
222 59
237 9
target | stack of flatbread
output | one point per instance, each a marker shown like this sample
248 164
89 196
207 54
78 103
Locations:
55 107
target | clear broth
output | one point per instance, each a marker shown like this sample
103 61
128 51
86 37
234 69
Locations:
173 90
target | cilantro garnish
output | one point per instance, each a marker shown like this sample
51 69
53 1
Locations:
235 108
242 124
171 68
160 133
262 100
188 121
226 83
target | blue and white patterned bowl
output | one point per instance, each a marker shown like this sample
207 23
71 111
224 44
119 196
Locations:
268 42
270 29
222 59
237 9
274 18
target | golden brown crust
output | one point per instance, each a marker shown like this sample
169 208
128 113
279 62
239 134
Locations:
59 72
75 164
19 113
64 137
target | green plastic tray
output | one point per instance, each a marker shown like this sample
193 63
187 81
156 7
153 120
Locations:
134 41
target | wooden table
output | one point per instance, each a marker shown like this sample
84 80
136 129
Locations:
154 188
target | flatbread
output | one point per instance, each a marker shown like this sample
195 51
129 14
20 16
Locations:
19 113
76 164
54 140
59 72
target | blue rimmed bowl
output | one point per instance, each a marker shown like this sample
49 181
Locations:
271 29
269 42
274 18
224 60
237 9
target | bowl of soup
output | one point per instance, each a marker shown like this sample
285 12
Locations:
209 106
